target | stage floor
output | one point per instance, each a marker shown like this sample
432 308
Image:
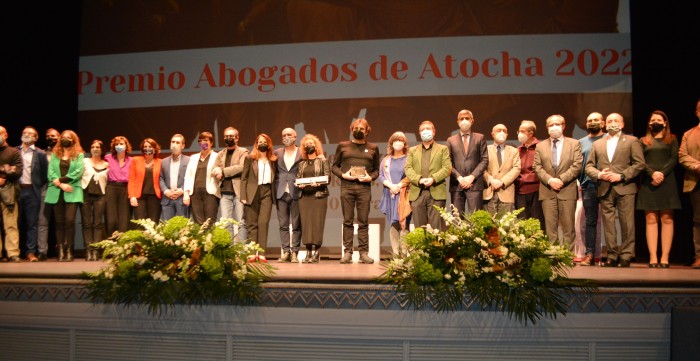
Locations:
331 271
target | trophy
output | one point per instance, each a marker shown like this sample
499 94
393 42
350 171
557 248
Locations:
358 171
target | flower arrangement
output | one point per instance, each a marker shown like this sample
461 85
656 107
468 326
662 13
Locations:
498 261
177 262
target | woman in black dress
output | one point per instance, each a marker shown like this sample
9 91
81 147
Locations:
658 192
313 201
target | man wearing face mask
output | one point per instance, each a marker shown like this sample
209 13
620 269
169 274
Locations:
356 163
10 172
589 188
527 185
172 180
469 161
46 213
558 163
615 161
227 169
427 168
503 169
288 159
33 179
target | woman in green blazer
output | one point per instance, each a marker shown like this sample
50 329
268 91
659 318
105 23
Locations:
65 192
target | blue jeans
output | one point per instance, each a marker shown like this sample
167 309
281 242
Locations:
590 208
29 204
230 206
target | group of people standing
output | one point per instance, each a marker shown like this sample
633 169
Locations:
613 173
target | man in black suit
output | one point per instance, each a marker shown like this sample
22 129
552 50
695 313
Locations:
33 178
469 161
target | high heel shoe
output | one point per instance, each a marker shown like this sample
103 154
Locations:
653 265
663 265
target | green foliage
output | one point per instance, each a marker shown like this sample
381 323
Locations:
177 262
503 263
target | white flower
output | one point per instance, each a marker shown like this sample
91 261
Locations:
159 276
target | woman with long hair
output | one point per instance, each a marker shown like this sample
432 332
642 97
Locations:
393 178
658 192
65 192
313 200
257 192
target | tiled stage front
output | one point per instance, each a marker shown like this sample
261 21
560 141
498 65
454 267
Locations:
334 311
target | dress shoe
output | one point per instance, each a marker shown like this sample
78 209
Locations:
587 261
610 263
696 264
624 263
653 265
43 257
15 259
364 258
347 258
286 257
663 265
31 257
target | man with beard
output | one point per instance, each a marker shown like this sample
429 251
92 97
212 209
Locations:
589 188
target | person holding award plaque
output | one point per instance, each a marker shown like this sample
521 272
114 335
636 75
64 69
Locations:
357 165
312 179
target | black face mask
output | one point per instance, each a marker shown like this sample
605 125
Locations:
262 147
656 127
230 142
51 141
359 135
310 149
66 143
594 128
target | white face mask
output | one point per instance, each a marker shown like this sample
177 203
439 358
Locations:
500 137
28 139
465 125
287 141
426 135
555 131
613 128
398 145
522 137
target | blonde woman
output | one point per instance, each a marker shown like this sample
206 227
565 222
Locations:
313 198
65 192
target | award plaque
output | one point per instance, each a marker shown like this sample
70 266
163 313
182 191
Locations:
358 171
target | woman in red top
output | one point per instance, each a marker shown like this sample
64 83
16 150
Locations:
143 188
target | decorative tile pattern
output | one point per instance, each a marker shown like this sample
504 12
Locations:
383 297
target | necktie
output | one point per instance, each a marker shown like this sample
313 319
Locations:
555 161
499 154
465 142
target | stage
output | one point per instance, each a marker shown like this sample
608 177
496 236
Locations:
333 311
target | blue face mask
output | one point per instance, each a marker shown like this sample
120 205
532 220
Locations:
120 148
426 135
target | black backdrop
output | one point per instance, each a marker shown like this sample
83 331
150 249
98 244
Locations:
40 47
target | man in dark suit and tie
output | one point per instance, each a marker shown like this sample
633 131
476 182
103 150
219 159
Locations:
558 163
172 180
615 161
469 161
33 178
